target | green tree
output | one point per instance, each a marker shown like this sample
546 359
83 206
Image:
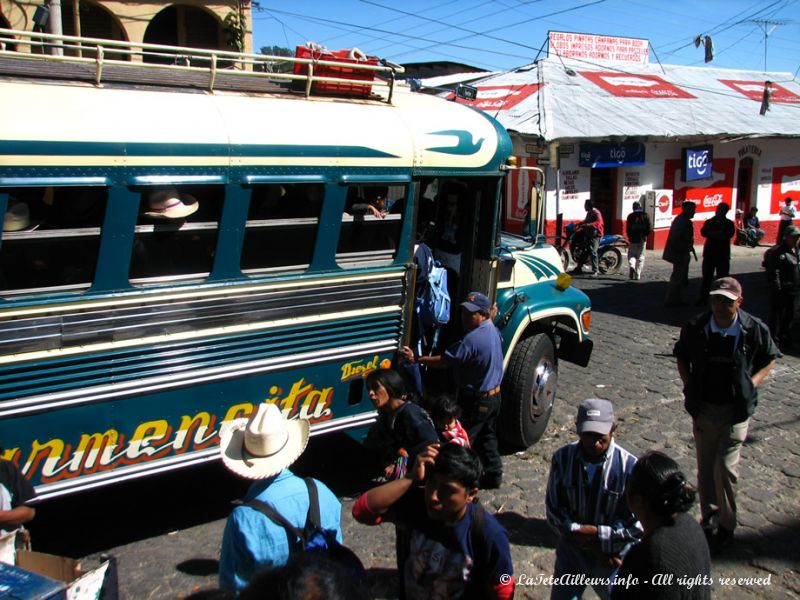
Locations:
277 67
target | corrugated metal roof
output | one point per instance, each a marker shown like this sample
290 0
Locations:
574 99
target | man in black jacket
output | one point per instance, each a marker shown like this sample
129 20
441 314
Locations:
678 251
783 274
718 231
723 356
637 228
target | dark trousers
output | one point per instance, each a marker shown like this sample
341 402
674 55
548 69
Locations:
479 418
782 224
714 267
678 280
781 313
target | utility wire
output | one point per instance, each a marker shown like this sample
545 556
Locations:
491 37
355 28
716 31
478 18
558 12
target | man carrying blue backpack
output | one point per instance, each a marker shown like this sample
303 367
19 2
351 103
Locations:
477 363
262 448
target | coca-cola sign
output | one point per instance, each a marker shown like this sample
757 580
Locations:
755 91
630 85
493 98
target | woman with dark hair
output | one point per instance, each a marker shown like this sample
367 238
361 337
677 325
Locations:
672 561
403 428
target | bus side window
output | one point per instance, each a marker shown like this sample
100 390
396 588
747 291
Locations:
176 233
51 238
282 225
371 225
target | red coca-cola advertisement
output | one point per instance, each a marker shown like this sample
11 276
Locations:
707 194
755 91
785 184
629 85
492 98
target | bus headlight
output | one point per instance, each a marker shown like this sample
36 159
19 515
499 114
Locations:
586 320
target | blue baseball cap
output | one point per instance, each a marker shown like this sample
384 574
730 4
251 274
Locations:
477 302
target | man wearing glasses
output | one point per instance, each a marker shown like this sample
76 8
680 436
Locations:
723 355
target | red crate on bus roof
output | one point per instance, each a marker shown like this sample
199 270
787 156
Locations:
343 72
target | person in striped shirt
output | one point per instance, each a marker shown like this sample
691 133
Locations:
587 506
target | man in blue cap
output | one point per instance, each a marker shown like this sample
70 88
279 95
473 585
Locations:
477 363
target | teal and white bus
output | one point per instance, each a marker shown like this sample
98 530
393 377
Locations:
178 246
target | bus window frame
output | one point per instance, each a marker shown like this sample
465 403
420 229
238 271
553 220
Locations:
74 232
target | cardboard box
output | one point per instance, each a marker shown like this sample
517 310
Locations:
36 575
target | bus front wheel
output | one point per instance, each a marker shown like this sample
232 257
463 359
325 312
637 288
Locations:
529 391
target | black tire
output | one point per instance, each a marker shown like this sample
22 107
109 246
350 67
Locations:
609 261
529 392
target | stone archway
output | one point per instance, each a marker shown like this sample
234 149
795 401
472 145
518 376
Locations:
4 24
89 19
184 25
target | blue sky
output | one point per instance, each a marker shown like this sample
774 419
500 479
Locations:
502 34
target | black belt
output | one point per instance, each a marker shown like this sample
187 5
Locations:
487 394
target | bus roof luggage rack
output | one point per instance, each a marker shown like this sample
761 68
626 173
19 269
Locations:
313 71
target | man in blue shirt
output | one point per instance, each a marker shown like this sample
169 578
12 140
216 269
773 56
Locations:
262 448
586 504
477 363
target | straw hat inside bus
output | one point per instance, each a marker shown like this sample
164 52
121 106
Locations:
168 203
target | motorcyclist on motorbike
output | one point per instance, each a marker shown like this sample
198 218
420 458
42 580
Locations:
591 230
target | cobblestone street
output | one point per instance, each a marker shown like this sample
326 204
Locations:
632 366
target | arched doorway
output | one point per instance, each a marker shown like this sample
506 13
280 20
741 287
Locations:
89 19
744 185
182 25
4 24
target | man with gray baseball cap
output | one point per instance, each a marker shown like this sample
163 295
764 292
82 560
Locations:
586 502
723 356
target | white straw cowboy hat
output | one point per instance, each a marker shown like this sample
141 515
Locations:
264 444
168 203
18 218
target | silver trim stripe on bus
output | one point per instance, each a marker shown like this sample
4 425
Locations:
164 382
95 480
172 295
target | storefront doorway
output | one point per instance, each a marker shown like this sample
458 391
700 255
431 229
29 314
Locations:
601 189
744 185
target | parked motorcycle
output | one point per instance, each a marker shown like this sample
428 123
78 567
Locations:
576 250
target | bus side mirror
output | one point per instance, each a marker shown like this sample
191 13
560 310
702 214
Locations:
466 92
507 263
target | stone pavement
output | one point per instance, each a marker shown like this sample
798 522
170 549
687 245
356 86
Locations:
632 366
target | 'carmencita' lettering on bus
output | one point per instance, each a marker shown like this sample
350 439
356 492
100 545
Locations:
57 459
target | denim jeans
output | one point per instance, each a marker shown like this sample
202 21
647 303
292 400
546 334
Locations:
571 560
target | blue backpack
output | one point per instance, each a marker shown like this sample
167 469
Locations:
432 304
313 540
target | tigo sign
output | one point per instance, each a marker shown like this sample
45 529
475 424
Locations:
697 163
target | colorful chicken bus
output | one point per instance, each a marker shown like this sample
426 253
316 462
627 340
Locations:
182 242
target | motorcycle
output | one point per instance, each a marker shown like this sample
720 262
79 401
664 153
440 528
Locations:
576 249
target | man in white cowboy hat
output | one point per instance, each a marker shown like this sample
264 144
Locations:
262 448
